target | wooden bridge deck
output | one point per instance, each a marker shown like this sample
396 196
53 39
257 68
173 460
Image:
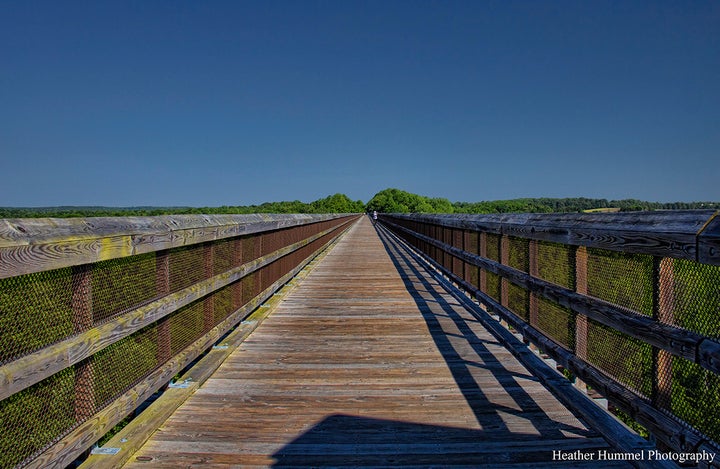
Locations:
370 362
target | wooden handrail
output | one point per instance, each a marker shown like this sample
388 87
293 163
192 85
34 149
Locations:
682 234
30 245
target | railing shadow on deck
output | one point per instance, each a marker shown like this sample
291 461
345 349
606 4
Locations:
487 413
348 440
354 441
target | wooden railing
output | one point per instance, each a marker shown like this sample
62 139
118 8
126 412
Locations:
98 314
629 303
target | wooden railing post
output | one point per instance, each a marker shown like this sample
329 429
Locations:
162 287
482 240
466 275
504 260
208 302
663 306
533 269
581 321
458 241
237 260
82 321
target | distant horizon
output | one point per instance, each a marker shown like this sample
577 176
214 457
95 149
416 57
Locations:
41 207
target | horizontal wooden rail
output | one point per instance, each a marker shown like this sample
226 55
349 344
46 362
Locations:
30 369
459 246
680 342
136 296
687 234
38 244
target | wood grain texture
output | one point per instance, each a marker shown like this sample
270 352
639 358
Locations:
666 233
369 362
33 245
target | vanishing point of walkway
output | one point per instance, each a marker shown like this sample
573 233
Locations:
369 362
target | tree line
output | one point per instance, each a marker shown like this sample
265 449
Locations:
386 201
397 201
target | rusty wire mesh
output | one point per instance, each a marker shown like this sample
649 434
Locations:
694 297
35 311
36 417
557 322
621 278
556 264
224 303
518 258
492 251
625 358
122 365
121 284
695 396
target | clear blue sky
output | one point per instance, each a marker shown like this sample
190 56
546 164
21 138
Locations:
209 103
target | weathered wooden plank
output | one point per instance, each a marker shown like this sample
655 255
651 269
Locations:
35 245
665 234
333 377
709 241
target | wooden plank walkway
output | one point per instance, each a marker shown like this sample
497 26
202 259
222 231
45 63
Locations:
370 362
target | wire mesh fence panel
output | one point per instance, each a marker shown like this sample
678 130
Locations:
621 278
35 311
186 325
123 364
492 286
518 300
224 257
223 303
695 297
556 264
36 417
121 284
695 396
557 322
625 358
186 266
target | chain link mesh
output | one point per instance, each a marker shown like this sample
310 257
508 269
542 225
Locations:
518 258
557 322
556 264
122 365
621 278
492 252
695 396
627 359
35 311
36 417
694 297
186 266
121 284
